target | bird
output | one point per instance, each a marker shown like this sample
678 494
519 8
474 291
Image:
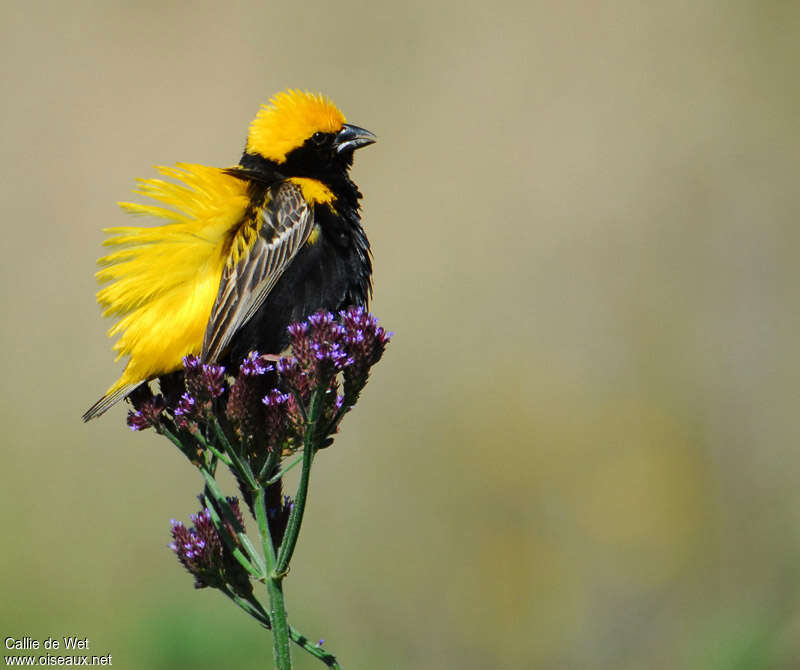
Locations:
244 251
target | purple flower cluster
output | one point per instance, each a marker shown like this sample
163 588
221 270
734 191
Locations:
186 408
318 345
327 348
204 382
244 409
147 411
365 341
264 408
201 550
251 418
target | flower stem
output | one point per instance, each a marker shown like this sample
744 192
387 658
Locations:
318 652
239 465
263 526
280 474
255 610
280 626
172 437
277 614
253 562
252 607
206 444
296 515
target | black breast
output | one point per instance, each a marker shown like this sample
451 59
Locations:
330 274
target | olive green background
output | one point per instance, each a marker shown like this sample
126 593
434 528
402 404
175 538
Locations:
581 449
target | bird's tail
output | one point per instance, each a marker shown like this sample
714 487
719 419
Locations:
108 400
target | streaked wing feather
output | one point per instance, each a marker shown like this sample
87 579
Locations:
285 228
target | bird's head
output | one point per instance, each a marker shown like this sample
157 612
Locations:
302 134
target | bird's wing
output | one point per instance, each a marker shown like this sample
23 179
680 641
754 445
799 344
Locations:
286 223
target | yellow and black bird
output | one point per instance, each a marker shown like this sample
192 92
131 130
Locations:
245 251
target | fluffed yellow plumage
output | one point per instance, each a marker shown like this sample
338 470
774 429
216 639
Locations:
214 270
166 278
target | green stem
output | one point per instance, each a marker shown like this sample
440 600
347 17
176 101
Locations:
298 507
187 450
240 465
208 445
318 652
280 626
255 610
253 562
252 607
263 526
344 409
277 615
270 464
276 477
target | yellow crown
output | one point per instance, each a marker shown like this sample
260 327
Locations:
290 119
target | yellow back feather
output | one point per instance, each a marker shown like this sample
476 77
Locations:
165 278
289 120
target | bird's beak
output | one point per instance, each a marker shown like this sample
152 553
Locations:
350 138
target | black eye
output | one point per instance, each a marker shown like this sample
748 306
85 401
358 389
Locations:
318 138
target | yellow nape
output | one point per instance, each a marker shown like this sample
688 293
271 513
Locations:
289 120
164 279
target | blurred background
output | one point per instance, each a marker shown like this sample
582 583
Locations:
581 449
